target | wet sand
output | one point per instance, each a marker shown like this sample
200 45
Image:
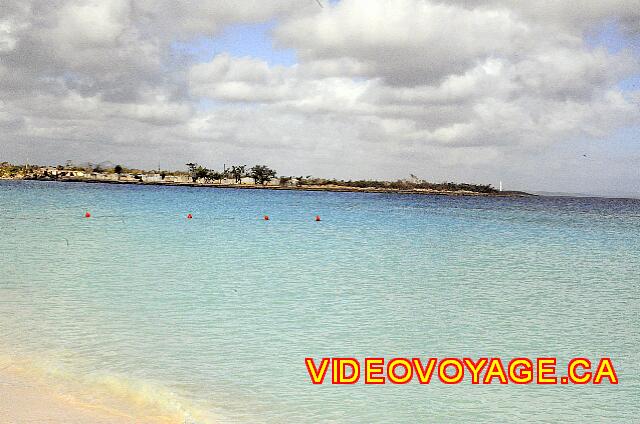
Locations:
24 401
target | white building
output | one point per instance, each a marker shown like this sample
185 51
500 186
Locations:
177 179
151 178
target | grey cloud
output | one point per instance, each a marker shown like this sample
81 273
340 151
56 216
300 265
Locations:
408 42
572 16
188 18
412 42
459 89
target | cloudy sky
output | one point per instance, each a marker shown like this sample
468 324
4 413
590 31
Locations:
543 95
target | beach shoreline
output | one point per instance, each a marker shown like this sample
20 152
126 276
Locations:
33 393
28 400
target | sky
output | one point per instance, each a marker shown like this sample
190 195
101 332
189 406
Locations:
540 95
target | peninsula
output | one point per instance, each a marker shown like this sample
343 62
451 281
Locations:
238 176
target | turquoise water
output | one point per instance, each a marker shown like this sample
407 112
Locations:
210 319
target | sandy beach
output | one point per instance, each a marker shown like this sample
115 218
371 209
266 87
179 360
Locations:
27 400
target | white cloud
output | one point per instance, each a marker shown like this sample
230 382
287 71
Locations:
445 87
406 41
97 23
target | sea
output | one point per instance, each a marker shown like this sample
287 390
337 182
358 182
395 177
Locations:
206 320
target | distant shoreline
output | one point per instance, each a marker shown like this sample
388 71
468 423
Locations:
327 187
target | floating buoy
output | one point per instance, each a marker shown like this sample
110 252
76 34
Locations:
87 215
318 218
266 217
189 216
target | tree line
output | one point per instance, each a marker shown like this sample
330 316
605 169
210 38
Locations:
261 174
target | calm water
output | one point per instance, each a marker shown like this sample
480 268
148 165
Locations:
210 319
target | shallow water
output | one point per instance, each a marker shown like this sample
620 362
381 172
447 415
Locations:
211 318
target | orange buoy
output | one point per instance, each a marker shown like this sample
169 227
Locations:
189 216
318 218
87 215
266 217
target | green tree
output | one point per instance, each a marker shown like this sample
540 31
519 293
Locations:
215 175
201 172
262 174
193 167
118 169
237 172
284 181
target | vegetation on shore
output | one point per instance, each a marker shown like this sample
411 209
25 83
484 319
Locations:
400 185
9 170
258 175
261 174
